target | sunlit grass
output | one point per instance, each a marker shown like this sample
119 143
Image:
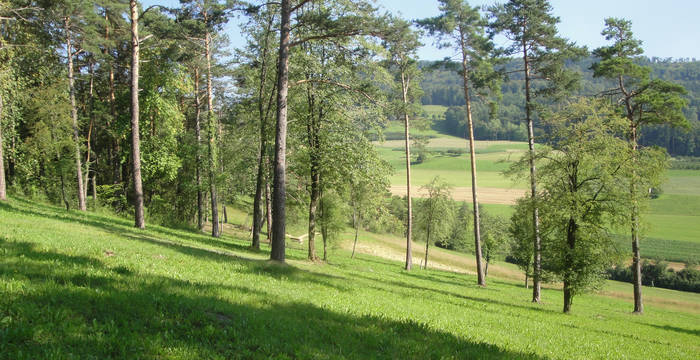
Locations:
80 285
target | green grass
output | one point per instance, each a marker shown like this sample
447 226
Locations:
437 110
83 285
682 182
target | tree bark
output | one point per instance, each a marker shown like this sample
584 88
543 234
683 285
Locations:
268 209
481 276
135 135
198 147
409 211
212 139
527 270
261 181
94 190
312 129
537 261
427 244
74 115
636 257
257 200
571 242
90 127
313 204
279 192
3 187
356 226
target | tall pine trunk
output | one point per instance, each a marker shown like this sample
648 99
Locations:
481 278
268 205
636 258
211 141
312 129
405 82
260 182
277 251
74 115
537 261
198 150
135 135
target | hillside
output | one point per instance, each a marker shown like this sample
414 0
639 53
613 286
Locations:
88 285
443 87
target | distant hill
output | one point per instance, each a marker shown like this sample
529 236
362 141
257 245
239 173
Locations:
503 119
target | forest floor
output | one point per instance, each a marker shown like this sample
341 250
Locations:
89 285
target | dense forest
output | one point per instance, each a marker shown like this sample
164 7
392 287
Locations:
501 118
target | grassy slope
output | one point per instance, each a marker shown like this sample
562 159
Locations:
78 285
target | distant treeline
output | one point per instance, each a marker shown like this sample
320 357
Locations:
660 275
502 119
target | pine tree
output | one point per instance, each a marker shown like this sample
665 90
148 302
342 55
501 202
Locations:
465 29
643 101
531 28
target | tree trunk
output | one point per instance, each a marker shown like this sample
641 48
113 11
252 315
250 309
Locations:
3 189
481 276
313 203
60 170
527 286
198 147
262 157
636 258
571 242
409 210
312 129
537 261
74 115
568 297
277 251
212 139
135 135
257 200
268 210
90 127
427 244
94 190
356 226
324 231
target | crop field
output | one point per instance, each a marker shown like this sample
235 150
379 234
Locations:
86 285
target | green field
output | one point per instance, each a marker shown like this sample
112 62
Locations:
84 285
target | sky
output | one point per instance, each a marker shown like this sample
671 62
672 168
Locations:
668 28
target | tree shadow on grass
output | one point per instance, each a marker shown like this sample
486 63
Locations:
134 315
694 332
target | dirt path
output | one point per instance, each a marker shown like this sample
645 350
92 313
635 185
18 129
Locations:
486 195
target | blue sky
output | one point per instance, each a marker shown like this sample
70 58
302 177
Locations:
669 28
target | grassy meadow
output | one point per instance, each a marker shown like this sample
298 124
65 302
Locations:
86 285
